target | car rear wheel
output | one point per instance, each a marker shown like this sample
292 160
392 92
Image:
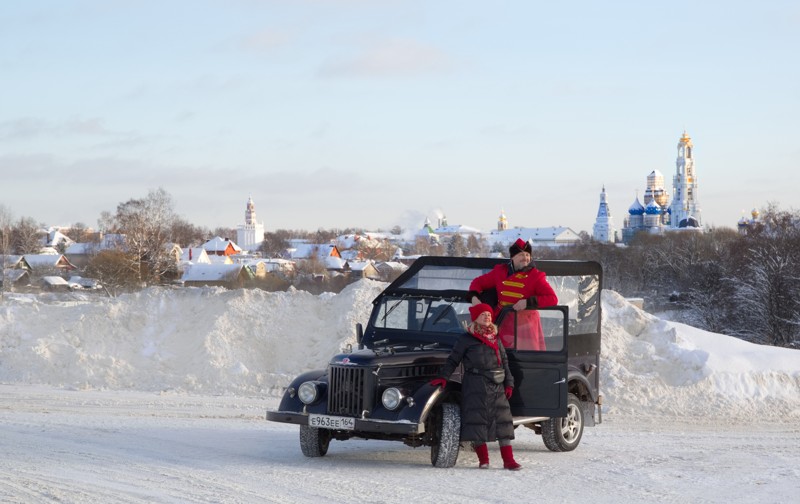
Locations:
447 432
313 441
564 434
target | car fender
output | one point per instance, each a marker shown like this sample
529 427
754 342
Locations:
290 401
426 398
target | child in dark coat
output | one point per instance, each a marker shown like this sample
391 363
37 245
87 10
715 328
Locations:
485 388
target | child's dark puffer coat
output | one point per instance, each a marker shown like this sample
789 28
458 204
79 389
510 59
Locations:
485 413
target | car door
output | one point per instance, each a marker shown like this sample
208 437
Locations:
536 344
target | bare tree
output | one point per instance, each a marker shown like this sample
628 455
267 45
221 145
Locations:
186 234
106 223
422 245
375 250
5 242
146 224
115 270
26 236
276 243
78 232
223 232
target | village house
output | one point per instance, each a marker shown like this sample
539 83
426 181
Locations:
40 265
361 269
221 247
231 276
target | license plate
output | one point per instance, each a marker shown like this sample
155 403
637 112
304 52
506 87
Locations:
331 422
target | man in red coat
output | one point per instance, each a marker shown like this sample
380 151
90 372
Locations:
519 285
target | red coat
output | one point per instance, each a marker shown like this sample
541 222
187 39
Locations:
511 287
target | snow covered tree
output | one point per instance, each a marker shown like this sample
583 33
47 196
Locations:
767 294
766 279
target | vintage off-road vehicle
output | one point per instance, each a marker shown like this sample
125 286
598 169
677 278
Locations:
381 389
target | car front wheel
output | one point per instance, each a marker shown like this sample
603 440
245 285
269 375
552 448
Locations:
313 441
564 434
447 429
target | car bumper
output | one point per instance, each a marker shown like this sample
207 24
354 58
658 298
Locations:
365 425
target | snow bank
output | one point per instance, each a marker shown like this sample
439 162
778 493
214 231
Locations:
200 340
251 343
655 367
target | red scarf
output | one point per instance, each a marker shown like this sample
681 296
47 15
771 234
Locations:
488 336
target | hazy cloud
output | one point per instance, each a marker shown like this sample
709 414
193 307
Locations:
266 40
30 127
392 58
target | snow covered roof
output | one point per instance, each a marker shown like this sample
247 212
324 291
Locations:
212 272
308 250
107 242
54 281
42 261
85 283
394 266
10 261
196 255
272 265
14 275
456 228
56 238
359 265
538 236
333 263
218 245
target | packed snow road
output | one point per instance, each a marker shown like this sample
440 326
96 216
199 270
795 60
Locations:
93 446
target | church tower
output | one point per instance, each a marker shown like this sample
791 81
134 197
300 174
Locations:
502 221
603 230
685 207
655 192
250 235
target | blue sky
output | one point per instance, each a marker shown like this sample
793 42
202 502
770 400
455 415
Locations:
348 113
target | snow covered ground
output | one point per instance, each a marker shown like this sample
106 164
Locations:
160 397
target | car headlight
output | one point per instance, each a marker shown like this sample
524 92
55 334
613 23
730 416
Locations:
392 398
307 392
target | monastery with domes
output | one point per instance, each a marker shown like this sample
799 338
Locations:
656 213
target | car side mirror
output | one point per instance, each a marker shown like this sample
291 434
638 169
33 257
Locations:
359 333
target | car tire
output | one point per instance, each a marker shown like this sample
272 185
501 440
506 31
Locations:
564 434
313 441
447 429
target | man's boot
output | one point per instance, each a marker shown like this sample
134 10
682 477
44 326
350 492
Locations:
508 459
483 456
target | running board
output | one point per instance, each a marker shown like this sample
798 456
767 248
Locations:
520 420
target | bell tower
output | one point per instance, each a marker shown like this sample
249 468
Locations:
603 230
250 236
685 207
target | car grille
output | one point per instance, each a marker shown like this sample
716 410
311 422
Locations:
351 390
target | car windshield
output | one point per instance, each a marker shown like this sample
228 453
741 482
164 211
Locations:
422 314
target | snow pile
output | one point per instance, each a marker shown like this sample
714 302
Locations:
252 343
651 366
200 340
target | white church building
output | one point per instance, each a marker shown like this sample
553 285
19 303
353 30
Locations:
250 235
